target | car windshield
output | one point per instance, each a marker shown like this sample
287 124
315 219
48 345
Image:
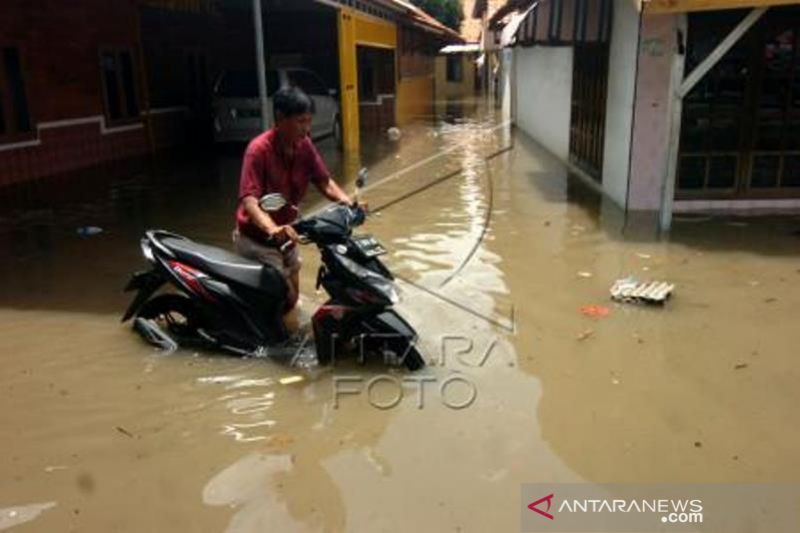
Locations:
244 84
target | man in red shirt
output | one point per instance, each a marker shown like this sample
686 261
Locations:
281 160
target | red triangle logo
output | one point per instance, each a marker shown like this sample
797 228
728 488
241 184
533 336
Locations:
546 514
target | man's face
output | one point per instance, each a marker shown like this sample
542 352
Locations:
295 127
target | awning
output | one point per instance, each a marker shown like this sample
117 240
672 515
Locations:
652 7
461 48
509 34
560 23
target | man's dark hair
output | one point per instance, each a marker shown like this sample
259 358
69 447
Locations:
290 102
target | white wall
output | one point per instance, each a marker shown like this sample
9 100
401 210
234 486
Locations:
619 108
543 79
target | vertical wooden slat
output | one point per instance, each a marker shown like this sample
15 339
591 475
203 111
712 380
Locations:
554 34
580 26
543 22
592 31
567 21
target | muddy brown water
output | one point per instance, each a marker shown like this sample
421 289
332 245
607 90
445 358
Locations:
102 433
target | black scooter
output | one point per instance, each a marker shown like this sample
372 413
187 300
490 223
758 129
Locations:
223 301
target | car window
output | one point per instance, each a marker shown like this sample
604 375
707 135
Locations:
244 84
307 81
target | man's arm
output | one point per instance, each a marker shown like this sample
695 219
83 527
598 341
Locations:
322 179
251 189
265 223
332 191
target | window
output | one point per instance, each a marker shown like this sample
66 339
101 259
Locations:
244 84
15 118
454 68
119 85
308 82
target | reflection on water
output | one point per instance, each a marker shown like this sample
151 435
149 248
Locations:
14 516
496 258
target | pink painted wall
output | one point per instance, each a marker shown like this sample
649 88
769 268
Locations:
651 113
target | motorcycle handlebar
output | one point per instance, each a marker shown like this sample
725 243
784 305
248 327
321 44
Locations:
357 212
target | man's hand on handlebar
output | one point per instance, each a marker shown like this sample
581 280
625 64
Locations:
284 234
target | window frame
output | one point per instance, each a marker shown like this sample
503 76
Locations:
457 61
125 117
7 105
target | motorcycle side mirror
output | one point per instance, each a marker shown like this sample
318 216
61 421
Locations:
272 202
361 180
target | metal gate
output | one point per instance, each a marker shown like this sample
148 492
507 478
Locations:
588 117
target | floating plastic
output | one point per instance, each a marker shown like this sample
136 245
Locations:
631 290
88 231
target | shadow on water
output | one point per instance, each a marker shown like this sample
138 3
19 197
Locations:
69 242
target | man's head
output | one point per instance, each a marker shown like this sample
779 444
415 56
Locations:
292 109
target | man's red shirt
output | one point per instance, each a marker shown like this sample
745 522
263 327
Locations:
267 169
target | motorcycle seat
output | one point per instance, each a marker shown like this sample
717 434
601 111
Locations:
226 265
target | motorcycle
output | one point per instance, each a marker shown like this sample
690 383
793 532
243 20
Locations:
224 301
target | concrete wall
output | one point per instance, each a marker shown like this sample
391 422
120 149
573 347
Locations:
651 130
620 104
543 94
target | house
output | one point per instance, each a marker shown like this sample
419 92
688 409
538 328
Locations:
490 62
93 81
457 72
669 106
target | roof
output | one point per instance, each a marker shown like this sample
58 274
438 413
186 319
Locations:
422 18
471 26
504 11
479 8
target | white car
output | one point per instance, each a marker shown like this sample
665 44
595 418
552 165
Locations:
237 114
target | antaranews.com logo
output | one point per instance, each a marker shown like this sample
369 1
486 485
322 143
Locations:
680 511
659 508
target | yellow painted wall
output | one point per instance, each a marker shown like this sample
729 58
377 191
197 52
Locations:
448 89
357 30
348 77
372 32
414 98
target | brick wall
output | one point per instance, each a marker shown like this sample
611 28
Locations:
59 44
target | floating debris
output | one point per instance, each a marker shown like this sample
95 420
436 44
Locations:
89 231
595 311
585 275
124 431
585 335
631 290
290 380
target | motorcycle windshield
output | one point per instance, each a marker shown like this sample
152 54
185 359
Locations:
331 225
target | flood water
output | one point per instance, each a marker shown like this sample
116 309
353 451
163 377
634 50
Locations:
497 249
